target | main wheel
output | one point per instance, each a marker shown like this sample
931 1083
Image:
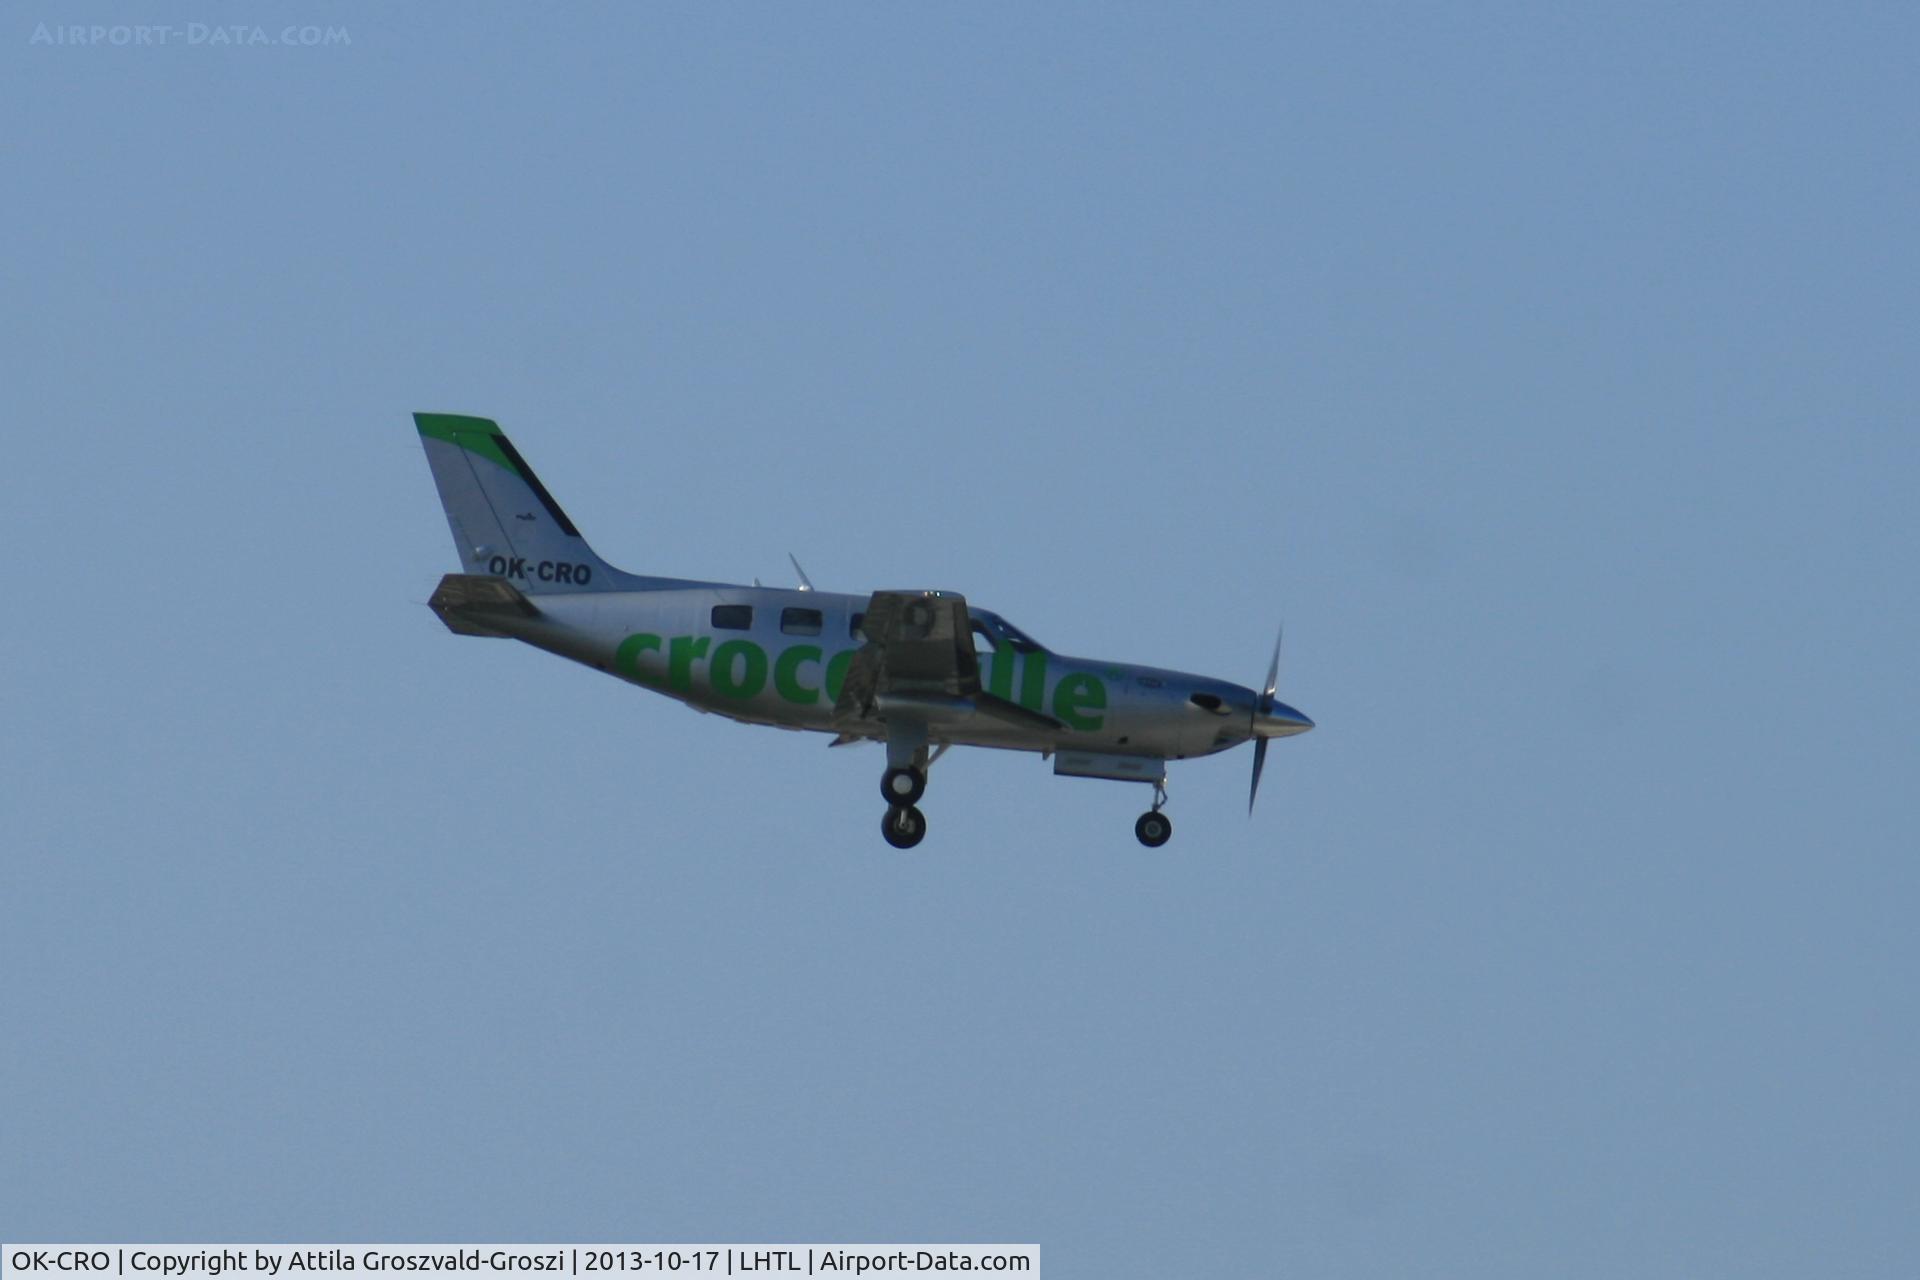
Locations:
900 787
1154 829
904 826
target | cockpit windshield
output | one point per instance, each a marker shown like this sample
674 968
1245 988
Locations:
1002 632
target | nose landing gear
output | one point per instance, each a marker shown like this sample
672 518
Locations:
1154 827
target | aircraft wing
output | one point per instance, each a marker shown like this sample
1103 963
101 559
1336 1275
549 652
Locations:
919 659
918 642
1013 713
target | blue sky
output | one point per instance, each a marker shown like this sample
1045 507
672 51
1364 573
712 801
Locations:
1548 373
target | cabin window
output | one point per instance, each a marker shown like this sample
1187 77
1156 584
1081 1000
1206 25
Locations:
800 622
733 617
853 626
983 641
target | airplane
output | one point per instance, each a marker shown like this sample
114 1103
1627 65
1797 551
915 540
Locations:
917 670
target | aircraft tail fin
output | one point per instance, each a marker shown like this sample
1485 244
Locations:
505 524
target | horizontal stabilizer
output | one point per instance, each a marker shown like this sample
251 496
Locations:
473 604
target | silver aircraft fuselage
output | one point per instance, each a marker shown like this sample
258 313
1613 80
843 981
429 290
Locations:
784 668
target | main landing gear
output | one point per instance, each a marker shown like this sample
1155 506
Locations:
1154 827
904 826
902 785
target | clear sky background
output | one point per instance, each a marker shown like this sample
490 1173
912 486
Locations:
1551 376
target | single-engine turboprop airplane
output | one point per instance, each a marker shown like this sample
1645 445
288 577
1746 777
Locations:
917 670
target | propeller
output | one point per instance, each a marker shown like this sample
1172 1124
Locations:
1261 707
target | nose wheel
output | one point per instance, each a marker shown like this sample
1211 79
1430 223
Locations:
1154 828
904 826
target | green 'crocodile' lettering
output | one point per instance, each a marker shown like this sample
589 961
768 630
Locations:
739 669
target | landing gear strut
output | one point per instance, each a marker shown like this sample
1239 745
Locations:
904 826
1154 827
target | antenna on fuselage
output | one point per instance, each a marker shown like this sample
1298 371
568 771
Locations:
806 583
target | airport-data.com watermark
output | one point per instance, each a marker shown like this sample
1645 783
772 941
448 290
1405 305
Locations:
188 35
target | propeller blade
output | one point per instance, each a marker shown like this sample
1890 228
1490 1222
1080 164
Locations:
1273 672
1262 705
1259 763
